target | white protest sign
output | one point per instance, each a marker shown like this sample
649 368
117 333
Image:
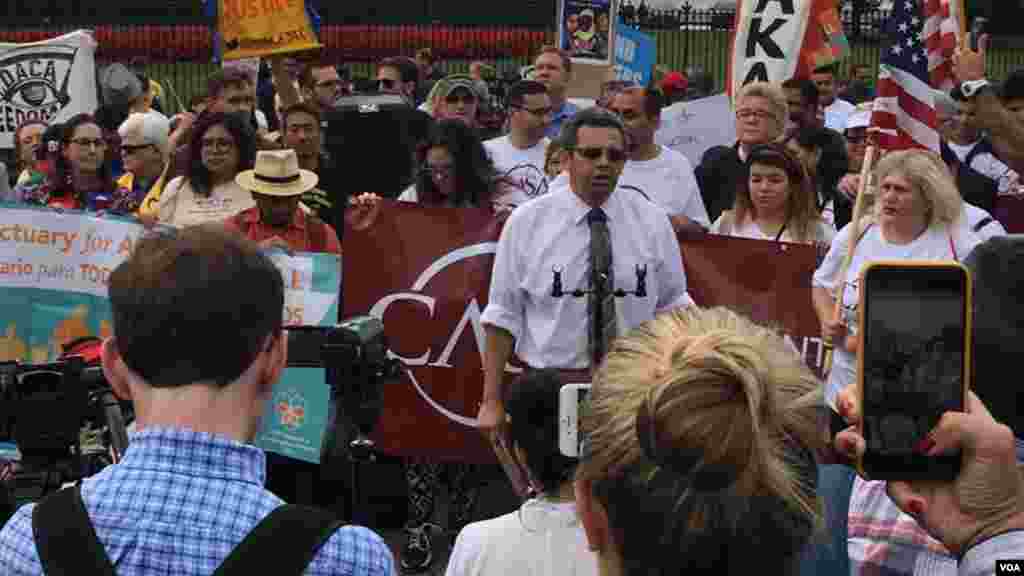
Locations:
51 81
769 36
692 127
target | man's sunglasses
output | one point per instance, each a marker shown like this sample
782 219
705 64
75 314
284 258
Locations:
615 155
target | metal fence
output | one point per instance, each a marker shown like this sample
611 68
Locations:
181 55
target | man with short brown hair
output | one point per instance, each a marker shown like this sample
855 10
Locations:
553 69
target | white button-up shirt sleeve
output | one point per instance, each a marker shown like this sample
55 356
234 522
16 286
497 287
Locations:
672 277
505 303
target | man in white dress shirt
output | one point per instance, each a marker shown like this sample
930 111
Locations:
662 174
552 233
519 155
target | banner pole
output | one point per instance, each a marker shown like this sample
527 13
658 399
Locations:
858 214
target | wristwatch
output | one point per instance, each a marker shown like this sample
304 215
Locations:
972 87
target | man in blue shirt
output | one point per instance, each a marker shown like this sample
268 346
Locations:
553 68
198 346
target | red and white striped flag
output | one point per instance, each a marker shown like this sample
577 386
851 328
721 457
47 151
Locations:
904 108
943 22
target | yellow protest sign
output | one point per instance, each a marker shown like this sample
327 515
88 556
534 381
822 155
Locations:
250 28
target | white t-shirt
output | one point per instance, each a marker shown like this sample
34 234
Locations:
934 244
541 539
749 229
180 206
525 168
668 181
976 216
837 114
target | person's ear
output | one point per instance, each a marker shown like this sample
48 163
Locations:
114 369
593 516
276 358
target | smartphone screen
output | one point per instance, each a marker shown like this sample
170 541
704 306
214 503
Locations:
913 366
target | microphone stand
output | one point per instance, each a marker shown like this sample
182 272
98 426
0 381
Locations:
599 281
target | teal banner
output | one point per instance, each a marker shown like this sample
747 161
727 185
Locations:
54 269
295 420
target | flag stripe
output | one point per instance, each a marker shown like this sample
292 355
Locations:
904 110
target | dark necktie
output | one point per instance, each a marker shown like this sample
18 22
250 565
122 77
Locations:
601 307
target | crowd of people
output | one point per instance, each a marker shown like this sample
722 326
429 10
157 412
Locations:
703 448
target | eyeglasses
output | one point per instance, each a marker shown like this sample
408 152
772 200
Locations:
97 143
750 114
223 144
614 155
128 149
386 83
538 112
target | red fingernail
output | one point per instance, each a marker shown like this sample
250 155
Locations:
924 446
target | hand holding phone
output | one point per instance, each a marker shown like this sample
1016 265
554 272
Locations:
914 364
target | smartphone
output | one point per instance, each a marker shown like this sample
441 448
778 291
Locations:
572 400
977 29
914 363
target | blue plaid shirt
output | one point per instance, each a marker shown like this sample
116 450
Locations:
178 503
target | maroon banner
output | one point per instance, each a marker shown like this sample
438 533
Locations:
426 273
1009 211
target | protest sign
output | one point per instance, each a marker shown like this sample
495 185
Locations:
432 293
694 126
295 419
585 29
249 28
50 81
776 40
54 270
635 53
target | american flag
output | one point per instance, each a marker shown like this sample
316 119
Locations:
904 108
941 26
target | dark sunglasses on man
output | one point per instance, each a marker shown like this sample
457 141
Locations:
615 155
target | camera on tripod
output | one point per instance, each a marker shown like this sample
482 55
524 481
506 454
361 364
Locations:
46 409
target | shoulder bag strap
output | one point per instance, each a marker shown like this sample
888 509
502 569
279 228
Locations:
65 537
283 544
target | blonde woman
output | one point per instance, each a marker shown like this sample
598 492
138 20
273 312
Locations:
761 112
699 459
778 203
917 215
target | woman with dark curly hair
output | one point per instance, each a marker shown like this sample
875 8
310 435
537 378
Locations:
80 177
222 145
455 170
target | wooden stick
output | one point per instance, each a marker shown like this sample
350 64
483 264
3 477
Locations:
858 214
174 93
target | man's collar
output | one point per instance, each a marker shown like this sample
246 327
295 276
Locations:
578 209
196 454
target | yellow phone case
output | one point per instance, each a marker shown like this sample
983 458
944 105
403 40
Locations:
968 325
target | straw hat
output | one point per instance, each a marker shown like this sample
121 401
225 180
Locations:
277 173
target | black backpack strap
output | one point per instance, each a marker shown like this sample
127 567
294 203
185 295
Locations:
65 538
284 543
